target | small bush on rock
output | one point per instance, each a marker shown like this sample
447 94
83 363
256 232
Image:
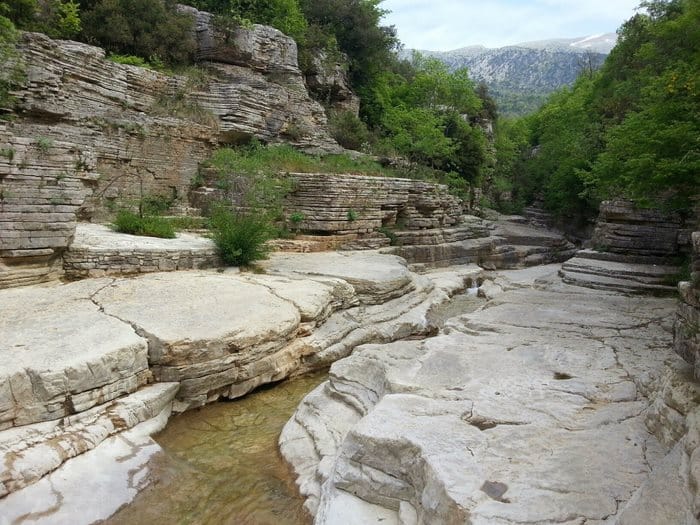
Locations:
239 237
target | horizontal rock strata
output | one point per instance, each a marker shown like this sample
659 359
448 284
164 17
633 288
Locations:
687 327
633 251
347 203
623 228
552 404
97 251
497 244
92 135
80 358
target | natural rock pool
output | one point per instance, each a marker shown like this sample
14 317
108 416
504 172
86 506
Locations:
220 464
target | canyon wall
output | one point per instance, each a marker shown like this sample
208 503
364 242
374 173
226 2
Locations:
87 134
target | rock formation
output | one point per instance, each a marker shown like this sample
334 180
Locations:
91 134
687 327
328 82
551 404
80 359
633 250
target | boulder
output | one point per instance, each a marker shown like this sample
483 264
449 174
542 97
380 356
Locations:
258 47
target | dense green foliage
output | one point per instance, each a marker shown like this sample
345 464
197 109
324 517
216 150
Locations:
240 237
630 130
56 18
11 70
148 225
284 15
148 28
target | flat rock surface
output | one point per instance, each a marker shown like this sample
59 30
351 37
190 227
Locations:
101 237
376 277
530 410
52 364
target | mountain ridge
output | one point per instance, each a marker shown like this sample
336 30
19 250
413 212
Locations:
521 76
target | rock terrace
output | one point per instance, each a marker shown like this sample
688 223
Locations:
552 404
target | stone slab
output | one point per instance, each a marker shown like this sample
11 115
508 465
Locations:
54 367
528 410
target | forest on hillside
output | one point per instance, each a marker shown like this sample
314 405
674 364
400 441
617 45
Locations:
630 129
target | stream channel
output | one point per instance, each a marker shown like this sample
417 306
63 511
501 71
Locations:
220 464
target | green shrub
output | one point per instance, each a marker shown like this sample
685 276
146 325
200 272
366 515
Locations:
56 18
240 238
149 226
389 234
44 144
129 60
297 217
349 131
352 215
146 28
188 223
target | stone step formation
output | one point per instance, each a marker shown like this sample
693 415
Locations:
508 415
90 135
633 251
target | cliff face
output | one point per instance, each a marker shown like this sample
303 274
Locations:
89 134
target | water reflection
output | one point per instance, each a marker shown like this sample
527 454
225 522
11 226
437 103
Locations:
221 465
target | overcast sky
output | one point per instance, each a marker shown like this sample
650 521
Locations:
442 25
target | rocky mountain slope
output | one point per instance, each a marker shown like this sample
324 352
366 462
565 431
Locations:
522 75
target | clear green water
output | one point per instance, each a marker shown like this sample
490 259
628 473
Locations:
221 464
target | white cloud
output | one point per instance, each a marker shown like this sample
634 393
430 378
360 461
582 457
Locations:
450 24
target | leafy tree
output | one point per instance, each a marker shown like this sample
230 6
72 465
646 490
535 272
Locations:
633 128
355 25
56 18
147 28
418 134
284 15
11 72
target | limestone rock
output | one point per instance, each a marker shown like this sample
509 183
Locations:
495 421
328 82
260 47
52 366
687 327
634 250
624 228
97 251
507 242
350 203
201 335
117 467
91 135
375 278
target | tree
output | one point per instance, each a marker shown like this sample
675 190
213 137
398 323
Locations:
147 28
10 72
284 15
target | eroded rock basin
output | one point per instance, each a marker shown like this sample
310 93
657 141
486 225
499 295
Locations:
220 464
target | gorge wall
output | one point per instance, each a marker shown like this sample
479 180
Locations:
87 134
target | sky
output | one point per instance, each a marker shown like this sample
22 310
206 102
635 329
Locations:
443 25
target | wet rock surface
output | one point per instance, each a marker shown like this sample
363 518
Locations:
551 404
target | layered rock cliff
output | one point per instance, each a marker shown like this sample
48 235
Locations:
88 133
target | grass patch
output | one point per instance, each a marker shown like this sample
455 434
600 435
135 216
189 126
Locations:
148 226
188 223
256 159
